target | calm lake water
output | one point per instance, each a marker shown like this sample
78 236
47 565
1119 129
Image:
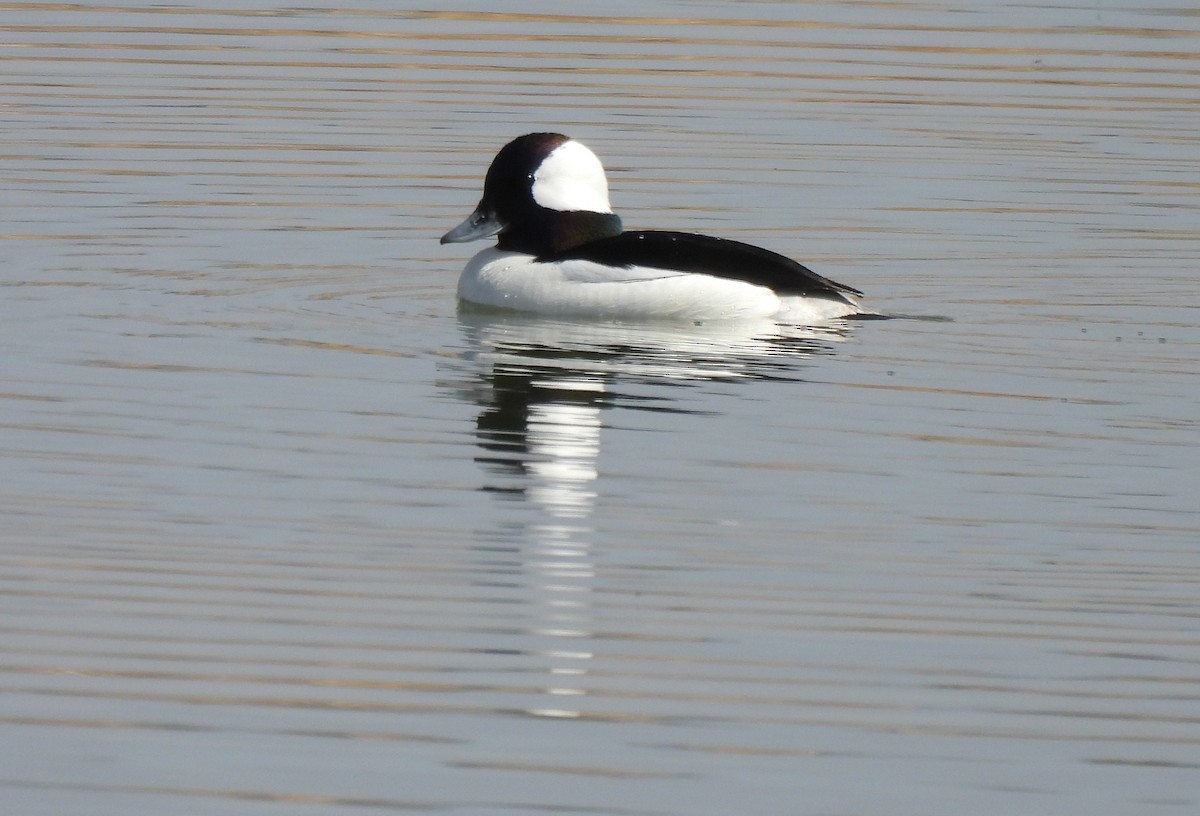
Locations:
283 531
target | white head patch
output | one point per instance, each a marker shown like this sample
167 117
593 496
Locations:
571 178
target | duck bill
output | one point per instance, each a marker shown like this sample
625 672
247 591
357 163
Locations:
479 224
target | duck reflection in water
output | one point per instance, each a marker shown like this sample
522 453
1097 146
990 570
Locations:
543 388
543 384
544 428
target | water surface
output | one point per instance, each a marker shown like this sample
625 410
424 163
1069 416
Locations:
284 531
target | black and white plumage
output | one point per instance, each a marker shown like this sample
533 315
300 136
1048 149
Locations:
561 250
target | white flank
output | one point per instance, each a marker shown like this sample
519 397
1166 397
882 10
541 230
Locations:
512 280
571 178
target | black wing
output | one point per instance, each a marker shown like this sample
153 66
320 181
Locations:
706 255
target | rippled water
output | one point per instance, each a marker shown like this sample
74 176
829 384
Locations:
284 532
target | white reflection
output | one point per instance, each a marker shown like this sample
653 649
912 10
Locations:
564 442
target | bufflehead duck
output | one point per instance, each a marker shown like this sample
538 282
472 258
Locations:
560 250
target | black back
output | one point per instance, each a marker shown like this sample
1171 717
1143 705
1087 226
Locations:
706 255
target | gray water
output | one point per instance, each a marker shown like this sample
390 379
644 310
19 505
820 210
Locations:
284 532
